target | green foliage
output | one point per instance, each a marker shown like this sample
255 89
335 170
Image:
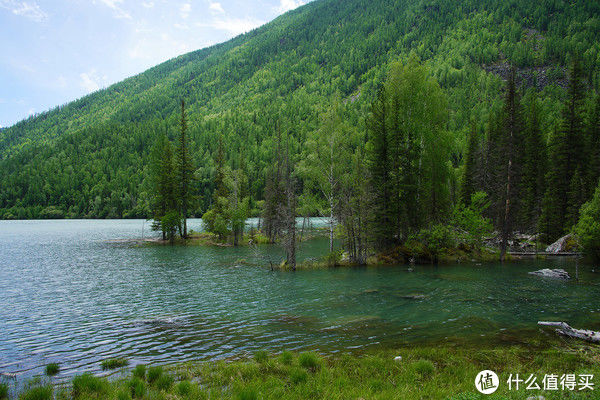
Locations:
470 222
425 368
587 229
37 393
139 371
184 388
432 241
52 369
154 373
309 360
298 375
164 382
261 356
88 158
87 385
137 388
248 393
113 363
3 391
286 358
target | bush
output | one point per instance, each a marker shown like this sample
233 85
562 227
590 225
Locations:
52 369
37 393
88 384
286 357
3 391
471 221
113 363
587 229
154 373
261 356
137 387
309 360
334 258
431 242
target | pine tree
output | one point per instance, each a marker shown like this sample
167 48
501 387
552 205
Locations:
185 172
593 145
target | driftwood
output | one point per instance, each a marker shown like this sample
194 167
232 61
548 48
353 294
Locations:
566 330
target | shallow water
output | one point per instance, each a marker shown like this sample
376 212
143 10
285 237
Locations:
69 294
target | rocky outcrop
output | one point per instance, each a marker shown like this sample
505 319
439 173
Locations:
552 273
564 244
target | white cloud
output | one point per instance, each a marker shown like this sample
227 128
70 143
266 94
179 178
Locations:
91 81
25 9
183 27
115 6
234 26
287 5
185 10
216 8
149 4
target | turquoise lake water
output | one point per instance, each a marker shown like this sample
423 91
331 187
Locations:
71 294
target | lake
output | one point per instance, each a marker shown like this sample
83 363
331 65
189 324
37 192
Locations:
71 294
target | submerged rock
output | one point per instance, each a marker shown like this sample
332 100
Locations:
552 273
414 297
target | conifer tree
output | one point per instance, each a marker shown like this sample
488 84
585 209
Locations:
567 163
185 172
164 203
469 180
534 165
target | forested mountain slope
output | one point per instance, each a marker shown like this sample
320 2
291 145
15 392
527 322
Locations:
90 158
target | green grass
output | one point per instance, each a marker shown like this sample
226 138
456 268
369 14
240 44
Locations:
139 371
114 363
433 372
37 393
3 391
52 369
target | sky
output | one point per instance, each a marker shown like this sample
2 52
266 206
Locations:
55 51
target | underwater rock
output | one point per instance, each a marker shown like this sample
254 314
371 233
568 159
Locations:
552 273
414 297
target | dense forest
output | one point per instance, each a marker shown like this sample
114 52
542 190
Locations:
508 94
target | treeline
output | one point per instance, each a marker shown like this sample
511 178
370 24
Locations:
91 158
391 180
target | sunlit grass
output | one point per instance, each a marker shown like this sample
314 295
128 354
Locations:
52 369
443 372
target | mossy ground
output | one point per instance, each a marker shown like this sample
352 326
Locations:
440 372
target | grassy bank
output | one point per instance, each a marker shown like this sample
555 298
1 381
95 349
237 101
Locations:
444 372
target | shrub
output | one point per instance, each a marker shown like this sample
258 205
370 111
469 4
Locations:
113 363
164 382
154 373
52 369
261 356
587 229
37 393
309 360
140 371
298 375
286 357
137 387
88 384
334 258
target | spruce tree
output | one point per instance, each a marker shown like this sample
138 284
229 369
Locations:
469 179
164 201
185 172
567 163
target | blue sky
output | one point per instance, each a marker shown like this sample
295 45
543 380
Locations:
55 51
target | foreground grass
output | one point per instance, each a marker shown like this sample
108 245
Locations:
422 373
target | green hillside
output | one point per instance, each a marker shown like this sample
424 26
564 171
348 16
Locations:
90 158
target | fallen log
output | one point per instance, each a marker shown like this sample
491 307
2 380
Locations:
566 330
